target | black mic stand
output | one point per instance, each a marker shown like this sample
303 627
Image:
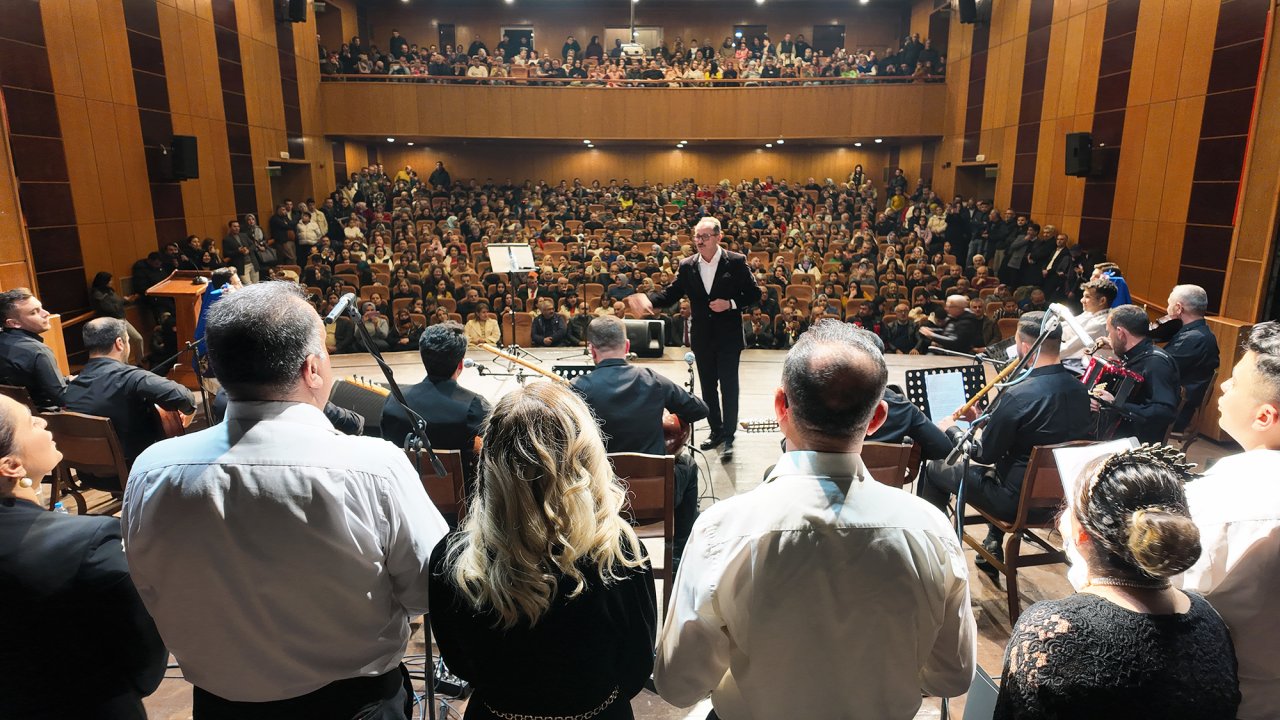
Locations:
416 440
977 359
204 392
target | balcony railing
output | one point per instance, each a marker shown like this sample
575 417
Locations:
525 80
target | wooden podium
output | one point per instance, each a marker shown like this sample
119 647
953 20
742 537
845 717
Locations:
187 294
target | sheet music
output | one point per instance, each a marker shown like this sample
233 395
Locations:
946 394
1073 460
511 257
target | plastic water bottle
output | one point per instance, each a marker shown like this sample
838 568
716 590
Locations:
58 508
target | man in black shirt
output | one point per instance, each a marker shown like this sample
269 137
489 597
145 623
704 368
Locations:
1193 348
962 331
549 327
1149 410
628 401
25 361
453 413
1050 406
281 236
110 387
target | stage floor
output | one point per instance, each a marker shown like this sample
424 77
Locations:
761 373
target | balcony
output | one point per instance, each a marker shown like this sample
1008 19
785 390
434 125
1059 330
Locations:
417 106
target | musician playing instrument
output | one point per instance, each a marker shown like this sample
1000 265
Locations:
1150 407
110 387
453 413
1193 348
1049 406
628 401
1096 297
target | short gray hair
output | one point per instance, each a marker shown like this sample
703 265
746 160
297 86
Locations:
834 378
100 334
607 332
259 337
1192 297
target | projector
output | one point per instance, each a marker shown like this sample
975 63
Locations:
633 50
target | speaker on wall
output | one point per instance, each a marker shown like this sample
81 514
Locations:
646 336
183 158
968 11
291 11
1079 161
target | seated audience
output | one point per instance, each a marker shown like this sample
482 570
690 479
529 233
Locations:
65 567
482 328
549 327
327 534
1127 644
545 580
758 618
1236 506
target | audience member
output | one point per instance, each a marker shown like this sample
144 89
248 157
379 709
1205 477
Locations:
25 361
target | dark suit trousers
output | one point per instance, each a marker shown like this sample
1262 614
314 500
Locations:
718 367
386 697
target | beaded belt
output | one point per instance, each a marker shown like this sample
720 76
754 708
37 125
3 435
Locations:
580 716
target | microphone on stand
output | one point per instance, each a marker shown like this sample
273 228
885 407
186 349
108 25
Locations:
689 357
469 363
341 307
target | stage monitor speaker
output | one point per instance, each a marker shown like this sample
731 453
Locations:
647 337
185 161
1079 154
968 11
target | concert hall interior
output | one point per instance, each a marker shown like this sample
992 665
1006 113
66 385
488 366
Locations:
1033 228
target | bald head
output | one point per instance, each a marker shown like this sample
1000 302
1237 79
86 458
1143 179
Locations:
957 304
833 379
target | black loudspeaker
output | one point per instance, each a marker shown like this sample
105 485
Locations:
291 10
1079 154
646 336
183 158
968 11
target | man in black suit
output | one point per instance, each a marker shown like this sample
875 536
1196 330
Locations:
680 329
1150 408
719 285
236 249
628 401
962 331
1193 348
453 413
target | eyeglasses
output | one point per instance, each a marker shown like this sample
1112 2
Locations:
705 236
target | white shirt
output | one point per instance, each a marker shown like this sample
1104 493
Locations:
707 270
1094 323
276 554
1236 505
816 595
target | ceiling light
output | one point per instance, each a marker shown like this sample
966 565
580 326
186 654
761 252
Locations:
879 140
410 143
759 2
391 139
768 145
863 2
586 142
510 2
857 144
780 141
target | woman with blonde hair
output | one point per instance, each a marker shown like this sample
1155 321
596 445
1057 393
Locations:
544 599
1127 644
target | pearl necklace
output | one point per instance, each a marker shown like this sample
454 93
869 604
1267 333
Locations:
1139 584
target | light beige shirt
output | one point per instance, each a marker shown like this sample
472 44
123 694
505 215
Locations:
1236 506
818 595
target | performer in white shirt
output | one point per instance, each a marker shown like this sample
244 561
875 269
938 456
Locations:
822 592
280 559
1096 298
1236 505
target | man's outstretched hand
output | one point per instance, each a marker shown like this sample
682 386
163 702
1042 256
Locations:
640 304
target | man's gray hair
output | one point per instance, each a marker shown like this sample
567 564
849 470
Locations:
834 378
259 338
708 220
100 334
607 332
1192 297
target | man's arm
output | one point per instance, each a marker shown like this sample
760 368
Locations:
1164 394
559 329
413 527
949 669
166 393
48 382
538 331
997 437
681 402
672 293
747 292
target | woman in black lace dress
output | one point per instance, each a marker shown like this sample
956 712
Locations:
1127 645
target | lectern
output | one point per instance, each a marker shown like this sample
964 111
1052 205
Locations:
187 292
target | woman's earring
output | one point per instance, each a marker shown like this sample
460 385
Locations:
25 482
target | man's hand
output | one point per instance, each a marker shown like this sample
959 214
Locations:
640 303
720 305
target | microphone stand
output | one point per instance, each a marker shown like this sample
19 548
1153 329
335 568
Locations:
695 452
977 359
416 440
204 392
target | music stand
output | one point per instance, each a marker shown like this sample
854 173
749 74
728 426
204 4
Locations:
974 379
512 258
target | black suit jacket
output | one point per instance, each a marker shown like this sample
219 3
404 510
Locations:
71 567
906 421
628 401
732 281
1195 350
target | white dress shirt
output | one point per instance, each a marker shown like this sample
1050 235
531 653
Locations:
818 595
1094 323
707 270
1236 505
276 554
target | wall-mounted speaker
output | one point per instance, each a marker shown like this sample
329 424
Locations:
1079 160
183 157
968 11
291 11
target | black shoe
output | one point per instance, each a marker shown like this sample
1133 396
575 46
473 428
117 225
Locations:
995 546
726 453
711 443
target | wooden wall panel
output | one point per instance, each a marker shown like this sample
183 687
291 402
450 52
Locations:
15 254
632 114
554 162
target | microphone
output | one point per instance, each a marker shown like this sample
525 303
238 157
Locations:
1065 314
343 303
469 363
689 358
